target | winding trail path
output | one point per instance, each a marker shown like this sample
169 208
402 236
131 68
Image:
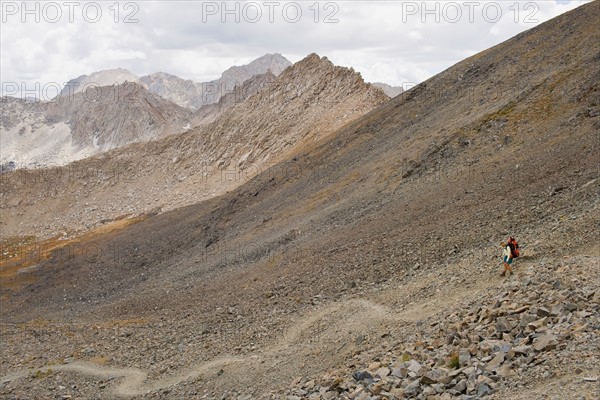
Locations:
325 330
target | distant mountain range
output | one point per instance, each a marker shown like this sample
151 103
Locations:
112 108
391 91
185 93
265 119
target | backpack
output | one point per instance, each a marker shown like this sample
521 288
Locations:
514 247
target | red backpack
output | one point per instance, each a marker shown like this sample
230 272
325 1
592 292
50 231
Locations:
514 247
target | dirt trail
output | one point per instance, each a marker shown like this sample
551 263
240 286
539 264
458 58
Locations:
328 333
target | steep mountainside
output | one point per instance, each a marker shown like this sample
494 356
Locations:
15 111
210 112
116 115
364 265
73 127
110 108
29 139
304 104
186 93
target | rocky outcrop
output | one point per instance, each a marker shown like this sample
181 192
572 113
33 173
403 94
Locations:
236 75
113 116
306 103
210 112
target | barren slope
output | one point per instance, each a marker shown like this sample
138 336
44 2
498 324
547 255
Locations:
360 243
307 102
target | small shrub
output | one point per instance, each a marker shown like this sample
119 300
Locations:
40 374
454 362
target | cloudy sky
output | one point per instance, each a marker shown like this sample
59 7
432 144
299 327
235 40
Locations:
397 42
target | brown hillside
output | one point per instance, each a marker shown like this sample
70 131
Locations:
373 247
307 102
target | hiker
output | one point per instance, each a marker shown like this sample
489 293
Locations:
509 253
506 259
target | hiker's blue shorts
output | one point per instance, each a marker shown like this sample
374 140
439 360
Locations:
508 260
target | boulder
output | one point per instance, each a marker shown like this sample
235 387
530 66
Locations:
545 343
414 367
495 362
504 324
461 386
362 376
464 357
383 372
413 389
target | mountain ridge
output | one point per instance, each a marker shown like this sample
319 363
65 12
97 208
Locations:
183 92
110 108
234 142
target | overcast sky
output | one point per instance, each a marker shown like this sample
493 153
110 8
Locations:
397 42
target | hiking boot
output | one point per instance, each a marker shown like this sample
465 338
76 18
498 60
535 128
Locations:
502 274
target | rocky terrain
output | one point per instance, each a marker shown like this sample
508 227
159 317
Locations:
210 112
117 115
43 134
515 340
364 264
27 138
304 104
111 108
212 91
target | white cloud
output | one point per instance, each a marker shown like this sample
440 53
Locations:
393 42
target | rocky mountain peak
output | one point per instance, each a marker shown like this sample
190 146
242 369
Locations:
275 63
107 77
307 102
194 95
120 114
314 59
